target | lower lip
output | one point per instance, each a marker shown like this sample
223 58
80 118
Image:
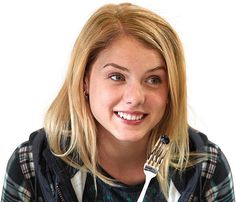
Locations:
131 122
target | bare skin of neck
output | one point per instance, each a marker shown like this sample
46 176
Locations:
122 160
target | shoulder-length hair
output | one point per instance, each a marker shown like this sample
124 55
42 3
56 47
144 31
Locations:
69 117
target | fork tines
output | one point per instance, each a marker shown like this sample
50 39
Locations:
158 153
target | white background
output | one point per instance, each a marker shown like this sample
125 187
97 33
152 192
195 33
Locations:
36 39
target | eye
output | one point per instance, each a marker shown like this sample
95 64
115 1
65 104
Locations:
153 80
117 77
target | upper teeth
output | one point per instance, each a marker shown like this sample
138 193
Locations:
130 116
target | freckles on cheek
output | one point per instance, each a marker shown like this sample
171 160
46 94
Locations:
107 98
158 102
101 97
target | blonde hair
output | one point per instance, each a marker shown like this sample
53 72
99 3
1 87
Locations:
69 124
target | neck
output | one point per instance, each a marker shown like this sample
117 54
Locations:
122 160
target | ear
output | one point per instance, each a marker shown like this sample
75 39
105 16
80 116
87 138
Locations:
86 84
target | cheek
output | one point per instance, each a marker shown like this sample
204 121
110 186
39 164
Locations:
158 102
102 99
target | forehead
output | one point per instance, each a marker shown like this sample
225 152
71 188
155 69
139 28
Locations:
130 51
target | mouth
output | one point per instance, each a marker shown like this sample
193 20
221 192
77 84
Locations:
135 116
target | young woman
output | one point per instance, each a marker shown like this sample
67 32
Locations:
125 87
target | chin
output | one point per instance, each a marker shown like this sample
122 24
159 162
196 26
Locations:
129 138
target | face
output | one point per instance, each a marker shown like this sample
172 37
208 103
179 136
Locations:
128 90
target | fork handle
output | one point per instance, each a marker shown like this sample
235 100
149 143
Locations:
147 181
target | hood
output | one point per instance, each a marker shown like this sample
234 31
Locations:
52 174
188 181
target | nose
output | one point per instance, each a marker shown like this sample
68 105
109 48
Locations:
134 94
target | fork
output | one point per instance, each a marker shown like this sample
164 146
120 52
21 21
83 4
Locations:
152 165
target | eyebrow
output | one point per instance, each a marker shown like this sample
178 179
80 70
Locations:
116 66
127 70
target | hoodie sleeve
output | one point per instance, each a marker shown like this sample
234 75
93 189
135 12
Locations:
218 181
19 177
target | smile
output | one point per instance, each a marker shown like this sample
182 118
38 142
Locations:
131 116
